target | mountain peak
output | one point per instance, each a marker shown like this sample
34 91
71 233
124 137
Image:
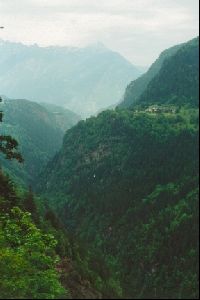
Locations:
84 80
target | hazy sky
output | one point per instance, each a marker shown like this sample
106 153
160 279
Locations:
138 29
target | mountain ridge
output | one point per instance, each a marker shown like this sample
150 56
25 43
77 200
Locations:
38 131
125 183
136 88
86 79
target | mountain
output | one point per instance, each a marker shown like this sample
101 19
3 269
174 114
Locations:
181 61
63 118
38 253
126 185
38 130
86 79
178 79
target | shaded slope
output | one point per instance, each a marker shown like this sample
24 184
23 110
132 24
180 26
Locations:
173 74
38 131
125 183
138 86
178 79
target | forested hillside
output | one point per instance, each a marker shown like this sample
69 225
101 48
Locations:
157 85
114 212
39 131
126 185
38 258
27 255
178 79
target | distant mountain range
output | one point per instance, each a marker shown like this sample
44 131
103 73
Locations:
83 80
38 129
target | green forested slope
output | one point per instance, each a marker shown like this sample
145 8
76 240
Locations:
120 198
125 183
178 79
173 75
39 259
39 132
135 89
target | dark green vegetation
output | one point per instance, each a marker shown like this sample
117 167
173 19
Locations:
173 77
126 185
118 216
37 258
33 264
178 79
27 255
84 80
39 131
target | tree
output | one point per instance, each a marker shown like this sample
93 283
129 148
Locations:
27 259
8 145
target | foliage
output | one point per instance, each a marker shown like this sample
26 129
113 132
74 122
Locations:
27 255
27 261
124 184
39 132
171 79
178 80
135 89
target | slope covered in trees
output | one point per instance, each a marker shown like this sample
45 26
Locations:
126 184
27 255
158 85
38 130
120 198
38 258
178 79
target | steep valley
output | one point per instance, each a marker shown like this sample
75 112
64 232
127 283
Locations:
112 210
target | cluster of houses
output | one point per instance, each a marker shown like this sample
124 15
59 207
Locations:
161 109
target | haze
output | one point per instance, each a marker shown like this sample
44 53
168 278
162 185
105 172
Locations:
138 29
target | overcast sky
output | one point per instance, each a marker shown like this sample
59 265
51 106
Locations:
138 29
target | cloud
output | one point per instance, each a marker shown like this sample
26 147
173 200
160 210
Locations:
139 29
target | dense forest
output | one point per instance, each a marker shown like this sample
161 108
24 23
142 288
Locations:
127 183
39 259
178 79
114 213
